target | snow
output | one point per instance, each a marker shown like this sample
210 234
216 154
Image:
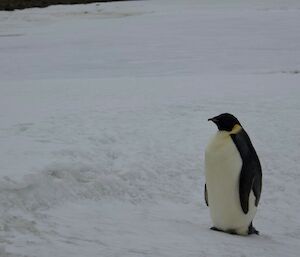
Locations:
104 110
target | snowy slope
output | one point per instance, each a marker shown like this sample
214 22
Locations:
103 127
149 38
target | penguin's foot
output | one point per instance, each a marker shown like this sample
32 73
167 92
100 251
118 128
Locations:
216 229
230 231
252 230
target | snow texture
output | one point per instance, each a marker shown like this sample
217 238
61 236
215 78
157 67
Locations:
104 110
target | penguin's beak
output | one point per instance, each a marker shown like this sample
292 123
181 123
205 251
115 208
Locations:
214 120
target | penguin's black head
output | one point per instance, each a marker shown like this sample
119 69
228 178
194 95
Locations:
225 121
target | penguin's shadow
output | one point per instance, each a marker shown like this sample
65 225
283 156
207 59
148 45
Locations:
264 237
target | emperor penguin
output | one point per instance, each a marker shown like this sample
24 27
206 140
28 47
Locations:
233 177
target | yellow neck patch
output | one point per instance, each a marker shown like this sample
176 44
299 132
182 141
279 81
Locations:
236 129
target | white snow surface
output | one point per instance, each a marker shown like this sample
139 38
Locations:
104 109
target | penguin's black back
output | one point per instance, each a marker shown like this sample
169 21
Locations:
251 174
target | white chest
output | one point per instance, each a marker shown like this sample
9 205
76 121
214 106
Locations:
222 159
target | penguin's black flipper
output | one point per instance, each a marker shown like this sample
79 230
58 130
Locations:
205 195
251 175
